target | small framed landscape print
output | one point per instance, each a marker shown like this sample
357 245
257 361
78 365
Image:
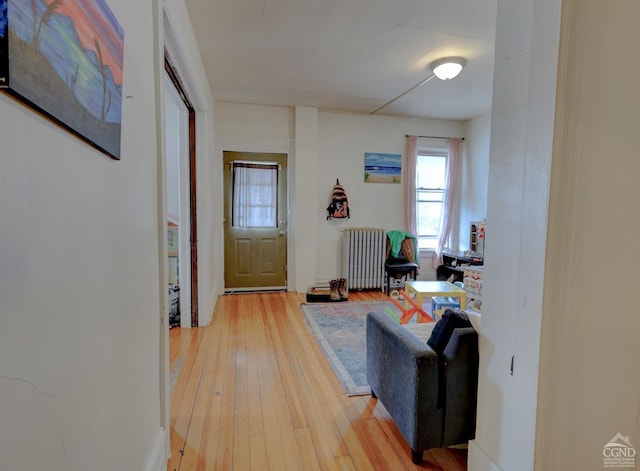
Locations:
382 168
64 59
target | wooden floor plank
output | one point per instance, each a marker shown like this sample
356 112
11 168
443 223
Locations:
216 442
244 397
288 365
254 333
279 433
194 454
253 391
188 385
258 453
306 450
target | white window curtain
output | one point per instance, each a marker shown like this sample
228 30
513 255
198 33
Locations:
410 223
451 192
255 195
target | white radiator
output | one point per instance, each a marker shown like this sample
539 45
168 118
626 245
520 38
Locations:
363 253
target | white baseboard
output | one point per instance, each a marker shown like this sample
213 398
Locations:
478 460
158 459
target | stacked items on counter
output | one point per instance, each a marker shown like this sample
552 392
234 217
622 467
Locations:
472 280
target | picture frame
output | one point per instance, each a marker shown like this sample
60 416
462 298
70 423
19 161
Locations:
64 59
382 168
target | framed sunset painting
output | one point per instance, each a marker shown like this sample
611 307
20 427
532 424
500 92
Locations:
64 59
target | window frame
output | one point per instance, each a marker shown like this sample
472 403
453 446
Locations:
431 241
238 207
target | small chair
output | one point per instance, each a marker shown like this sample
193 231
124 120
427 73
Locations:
398 268
403 263
440 303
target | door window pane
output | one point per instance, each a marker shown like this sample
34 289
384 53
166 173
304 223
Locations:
255 195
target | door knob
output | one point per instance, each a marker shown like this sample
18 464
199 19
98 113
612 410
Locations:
283 233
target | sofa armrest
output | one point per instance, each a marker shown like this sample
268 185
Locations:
460 375
402 371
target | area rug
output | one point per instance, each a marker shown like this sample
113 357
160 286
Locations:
339 329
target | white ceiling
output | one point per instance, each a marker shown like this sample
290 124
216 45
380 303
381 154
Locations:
348 55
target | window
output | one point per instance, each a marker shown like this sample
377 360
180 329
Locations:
430 187
255 195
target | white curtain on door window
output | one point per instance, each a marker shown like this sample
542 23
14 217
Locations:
255 195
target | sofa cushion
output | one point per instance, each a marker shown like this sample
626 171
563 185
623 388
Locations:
451 319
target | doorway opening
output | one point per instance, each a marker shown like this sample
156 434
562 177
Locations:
255 221
181 202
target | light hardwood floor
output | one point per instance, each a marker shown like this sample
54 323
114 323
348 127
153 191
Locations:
253 392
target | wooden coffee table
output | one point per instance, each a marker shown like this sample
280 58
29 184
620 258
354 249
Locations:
429 289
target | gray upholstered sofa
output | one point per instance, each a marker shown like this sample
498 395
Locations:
431 397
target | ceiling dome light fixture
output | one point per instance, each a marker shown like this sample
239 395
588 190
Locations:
448 67
445 69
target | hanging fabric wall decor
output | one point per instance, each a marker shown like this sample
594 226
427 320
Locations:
338 204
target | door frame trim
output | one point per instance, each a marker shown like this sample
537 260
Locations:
268 145
174 76
265 146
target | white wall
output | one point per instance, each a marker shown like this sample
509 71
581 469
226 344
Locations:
304 224
184 50
79 281
340 142
251 128
521 148
474 184
575 384
590 380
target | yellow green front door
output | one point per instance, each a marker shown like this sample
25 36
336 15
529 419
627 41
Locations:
255 221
